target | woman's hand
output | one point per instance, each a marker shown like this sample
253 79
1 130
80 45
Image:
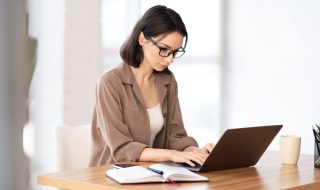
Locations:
207 148
190 157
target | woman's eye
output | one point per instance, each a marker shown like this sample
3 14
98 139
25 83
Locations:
164 49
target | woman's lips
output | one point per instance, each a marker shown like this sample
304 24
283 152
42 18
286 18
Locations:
163 66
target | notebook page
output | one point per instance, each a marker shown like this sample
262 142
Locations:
178 173
134 174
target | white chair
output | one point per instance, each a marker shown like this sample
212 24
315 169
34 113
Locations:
73 147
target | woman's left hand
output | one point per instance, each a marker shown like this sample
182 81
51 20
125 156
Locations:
207 148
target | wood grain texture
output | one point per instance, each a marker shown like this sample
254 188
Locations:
269 173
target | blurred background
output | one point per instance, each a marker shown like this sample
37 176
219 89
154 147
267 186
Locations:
247 63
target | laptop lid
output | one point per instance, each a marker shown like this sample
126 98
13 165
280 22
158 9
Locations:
240 147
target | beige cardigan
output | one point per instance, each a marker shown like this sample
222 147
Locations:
120 125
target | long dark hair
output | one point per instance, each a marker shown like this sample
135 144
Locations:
156 21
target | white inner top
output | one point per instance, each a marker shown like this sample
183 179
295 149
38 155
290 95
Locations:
156 122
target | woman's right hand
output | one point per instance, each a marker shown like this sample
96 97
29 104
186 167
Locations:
189 156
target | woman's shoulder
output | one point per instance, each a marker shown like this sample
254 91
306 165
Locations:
110 77
166 79
166 74
107 76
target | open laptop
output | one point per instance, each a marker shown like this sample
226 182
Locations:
240 147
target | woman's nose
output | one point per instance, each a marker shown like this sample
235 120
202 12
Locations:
169 59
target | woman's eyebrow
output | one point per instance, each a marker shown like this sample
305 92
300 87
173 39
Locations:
169 47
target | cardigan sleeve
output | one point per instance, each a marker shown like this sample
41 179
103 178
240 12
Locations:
114 131
178 138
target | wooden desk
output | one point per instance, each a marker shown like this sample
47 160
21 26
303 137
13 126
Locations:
269 173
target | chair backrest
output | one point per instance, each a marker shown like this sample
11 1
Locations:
73 147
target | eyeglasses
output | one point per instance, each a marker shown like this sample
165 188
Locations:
165 52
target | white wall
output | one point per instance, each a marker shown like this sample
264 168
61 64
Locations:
272 66
68 63
46 91
82 59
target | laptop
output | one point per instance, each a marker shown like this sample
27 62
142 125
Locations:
240 147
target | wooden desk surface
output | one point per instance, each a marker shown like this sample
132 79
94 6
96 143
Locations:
269 173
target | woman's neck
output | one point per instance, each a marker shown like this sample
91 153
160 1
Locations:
143 74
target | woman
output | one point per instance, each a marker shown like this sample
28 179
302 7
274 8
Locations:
137 115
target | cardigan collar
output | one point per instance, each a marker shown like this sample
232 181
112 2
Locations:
126 75
162 79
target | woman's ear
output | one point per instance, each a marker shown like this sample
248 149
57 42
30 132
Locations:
142 39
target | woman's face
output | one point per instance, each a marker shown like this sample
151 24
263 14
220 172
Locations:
151 57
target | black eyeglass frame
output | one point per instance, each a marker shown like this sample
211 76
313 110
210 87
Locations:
170 52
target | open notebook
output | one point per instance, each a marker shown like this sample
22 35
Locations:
139 174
